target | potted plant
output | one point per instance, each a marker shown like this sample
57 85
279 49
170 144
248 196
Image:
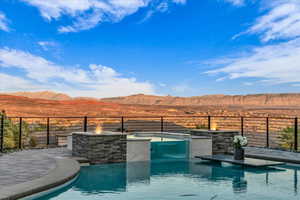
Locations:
239 142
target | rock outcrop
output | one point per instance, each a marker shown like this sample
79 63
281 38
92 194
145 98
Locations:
216 100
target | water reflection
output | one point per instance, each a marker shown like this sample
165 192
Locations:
119 178
138 172
102 179
116 177
239 185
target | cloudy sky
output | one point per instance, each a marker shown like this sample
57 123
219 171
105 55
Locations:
105 48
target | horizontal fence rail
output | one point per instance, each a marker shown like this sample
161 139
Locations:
17 132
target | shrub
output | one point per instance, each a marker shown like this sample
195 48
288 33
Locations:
11 132
201 126
32 141
287 138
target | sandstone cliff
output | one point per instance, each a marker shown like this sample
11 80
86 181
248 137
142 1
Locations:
217 100
49 95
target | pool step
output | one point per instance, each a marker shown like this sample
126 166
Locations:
82 161
250 162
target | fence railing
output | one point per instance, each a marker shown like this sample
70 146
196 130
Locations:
31 132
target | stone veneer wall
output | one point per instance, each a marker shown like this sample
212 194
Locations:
222 141
101 148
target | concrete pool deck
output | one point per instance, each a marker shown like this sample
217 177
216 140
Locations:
29 166
273 155
28 172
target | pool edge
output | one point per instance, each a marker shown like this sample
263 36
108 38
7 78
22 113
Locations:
66 169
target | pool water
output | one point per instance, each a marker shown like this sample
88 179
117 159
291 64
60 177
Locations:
181 179
170 150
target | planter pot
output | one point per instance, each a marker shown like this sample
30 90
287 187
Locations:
239 154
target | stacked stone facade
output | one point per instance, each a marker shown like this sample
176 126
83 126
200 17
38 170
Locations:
222 141
100 148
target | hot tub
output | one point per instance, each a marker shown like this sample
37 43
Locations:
166 145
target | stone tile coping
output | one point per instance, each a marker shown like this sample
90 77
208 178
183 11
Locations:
201 137
138 139
66 169
105 133
272 158
272 154
168 134
250 162
161 133
212 131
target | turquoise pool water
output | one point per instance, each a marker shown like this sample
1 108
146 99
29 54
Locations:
169 150
181 179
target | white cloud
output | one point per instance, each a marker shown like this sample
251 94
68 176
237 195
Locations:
280 21
47 44
96 81
279 63
4 23
180 1
87 14
276 62
160 8
236 2
11 83
36 67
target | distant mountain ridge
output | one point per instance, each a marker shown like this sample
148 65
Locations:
48 95
283 99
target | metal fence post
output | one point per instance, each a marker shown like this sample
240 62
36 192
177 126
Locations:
242 126
296 134
209 123
122 124
161 124
267 132
48 130
20 132
85 124
2 133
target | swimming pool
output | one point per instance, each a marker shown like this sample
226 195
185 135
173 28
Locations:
180 179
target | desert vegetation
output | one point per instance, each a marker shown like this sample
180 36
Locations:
287 138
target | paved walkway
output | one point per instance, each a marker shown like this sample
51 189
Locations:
27 165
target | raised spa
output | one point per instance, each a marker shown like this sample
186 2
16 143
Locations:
112 147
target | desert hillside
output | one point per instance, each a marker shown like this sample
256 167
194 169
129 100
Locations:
24 106
259 100
215 100
49 95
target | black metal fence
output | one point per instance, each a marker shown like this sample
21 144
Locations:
33 132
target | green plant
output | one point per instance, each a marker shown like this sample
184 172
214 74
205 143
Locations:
39 127
201 126
11 132
32 141
287 138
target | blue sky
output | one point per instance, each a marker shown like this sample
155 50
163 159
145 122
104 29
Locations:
104 48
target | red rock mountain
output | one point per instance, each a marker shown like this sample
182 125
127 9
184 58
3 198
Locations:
284 99
24 106
289 99
49 95
144 105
